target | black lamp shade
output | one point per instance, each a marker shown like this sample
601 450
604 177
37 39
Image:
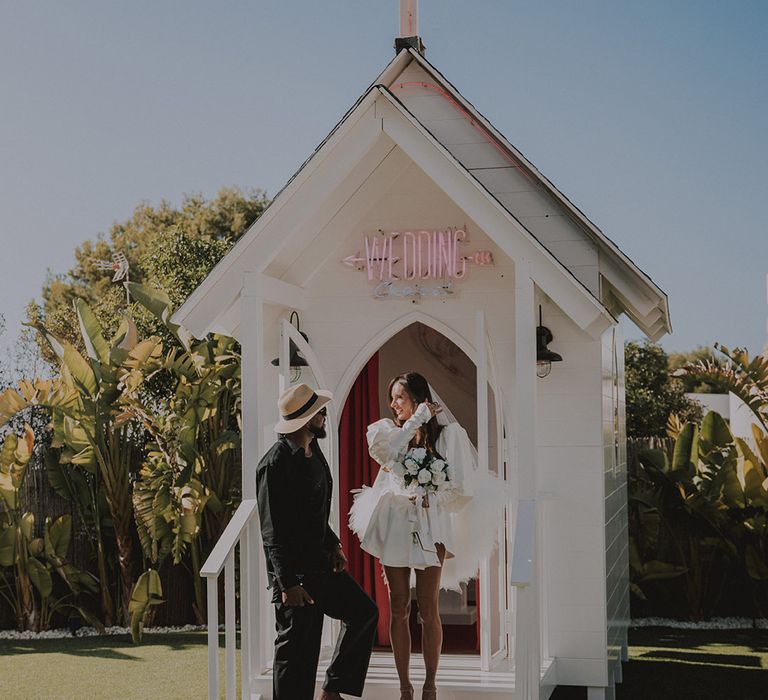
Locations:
296 359
543 353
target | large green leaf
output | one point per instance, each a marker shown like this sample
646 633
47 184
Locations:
8 453
686 452
36 547
733 490
147 591
86 459
715 432
655 570
8 546
27 526
90 330
752 474
158 303
11 404
655 459
90 618
60 534
78 367
228 440
8 492
40 577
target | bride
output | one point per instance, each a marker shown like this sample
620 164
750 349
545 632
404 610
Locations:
428 510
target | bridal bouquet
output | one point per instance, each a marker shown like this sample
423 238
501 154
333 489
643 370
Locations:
423 472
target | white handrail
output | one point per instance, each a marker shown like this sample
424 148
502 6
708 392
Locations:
229 538
223 557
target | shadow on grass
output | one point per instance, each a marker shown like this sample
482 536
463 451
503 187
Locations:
662 680
681 681
753 640
703 657
113 647
690 665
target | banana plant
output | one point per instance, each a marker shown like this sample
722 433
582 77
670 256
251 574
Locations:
682 496
745 377
711 500
31 566
85 491
88 425
16 535
106 422
147 592
188 486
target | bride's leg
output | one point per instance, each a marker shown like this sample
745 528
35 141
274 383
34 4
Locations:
427 591
399 584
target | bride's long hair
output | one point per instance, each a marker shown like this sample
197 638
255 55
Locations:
418 389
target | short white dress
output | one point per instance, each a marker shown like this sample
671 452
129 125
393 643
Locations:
464 518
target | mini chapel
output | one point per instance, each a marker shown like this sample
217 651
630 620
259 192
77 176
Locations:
416 236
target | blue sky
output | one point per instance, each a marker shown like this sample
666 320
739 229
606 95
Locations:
649 116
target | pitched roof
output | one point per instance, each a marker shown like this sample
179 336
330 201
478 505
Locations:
627 287
609 277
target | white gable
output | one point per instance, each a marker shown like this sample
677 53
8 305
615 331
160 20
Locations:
544 211
411 115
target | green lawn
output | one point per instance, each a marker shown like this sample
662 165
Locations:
674 664
162 667
691 665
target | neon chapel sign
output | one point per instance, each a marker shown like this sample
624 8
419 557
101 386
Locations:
415 257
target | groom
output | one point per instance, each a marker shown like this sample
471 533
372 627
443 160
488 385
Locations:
306 566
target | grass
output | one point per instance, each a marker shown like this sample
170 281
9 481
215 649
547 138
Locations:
691 665
167 667
674 664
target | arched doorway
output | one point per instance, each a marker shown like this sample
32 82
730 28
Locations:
453 375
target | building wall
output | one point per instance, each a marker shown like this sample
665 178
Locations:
343 320
616 514
570 498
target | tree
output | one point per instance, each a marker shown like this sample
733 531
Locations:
652 393
167 248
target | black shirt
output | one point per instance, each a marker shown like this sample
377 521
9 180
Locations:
294 499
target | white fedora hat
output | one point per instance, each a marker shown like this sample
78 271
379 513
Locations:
297 405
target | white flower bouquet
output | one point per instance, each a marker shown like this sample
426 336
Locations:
423 472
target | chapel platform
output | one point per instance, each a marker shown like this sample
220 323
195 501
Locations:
459 678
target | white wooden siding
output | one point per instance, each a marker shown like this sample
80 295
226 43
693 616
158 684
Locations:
520 194
570 484
616 516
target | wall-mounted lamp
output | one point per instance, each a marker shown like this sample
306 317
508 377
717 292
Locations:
544 356
296 360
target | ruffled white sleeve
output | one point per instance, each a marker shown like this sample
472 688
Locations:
387 442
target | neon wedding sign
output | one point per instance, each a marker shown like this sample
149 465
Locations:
402 261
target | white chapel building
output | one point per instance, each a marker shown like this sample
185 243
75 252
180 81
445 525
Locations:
416 220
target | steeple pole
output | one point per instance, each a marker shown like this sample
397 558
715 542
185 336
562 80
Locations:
409 18
409 27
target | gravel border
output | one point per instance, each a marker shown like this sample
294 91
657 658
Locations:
91 632
716 623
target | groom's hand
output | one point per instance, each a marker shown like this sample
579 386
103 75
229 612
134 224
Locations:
338 560
296 597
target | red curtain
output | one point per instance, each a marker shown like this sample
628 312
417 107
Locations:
356 468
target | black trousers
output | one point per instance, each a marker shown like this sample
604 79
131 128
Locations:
299 630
